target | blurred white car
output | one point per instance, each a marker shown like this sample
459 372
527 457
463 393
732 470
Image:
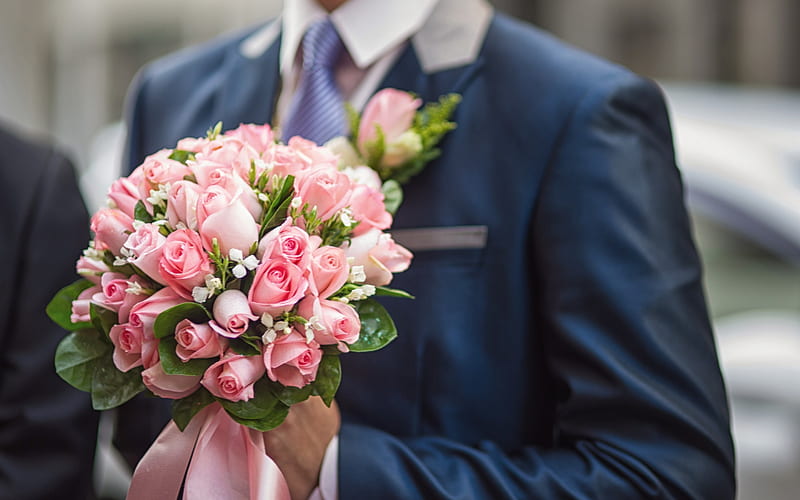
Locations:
739 151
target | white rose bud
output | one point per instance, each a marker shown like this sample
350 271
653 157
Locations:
348 156
407 146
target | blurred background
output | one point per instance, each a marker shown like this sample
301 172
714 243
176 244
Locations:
729 69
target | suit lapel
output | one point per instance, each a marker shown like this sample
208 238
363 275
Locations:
250 87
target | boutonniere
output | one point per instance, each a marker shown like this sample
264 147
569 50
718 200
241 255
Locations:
396 137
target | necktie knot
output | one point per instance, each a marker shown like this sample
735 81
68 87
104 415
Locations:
322 46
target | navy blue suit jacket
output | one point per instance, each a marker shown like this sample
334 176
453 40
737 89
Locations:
571 357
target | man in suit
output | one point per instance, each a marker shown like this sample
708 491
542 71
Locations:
559 344
48 429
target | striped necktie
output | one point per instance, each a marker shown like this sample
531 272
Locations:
316 111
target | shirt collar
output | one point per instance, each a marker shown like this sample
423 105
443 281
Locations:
445 33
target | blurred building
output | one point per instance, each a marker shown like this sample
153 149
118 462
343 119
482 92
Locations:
66 64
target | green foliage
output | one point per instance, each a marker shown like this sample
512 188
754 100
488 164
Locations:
392 292
272 420
263 412
276 210
245 345
329 376
173 365
377 327
102 319
140 213
183 410
165 323
60 307
77 354
375 151
354 121
213 133
111 387
181 156
291 395
392 195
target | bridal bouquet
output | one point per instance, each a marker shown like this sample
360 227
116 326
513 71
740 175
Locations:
229 273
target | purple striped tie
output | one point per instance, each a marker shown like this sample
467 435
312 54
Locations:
317 108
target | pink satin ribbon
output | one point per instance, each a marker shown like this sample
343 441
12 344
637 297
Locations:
220 458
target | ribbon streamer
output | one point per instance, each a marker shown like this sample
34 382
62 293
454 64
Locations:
220 459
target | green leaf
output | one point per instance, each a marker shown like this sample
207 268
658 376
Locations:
291 395
77 355
375 151
183 410
181 155
392 292
354 121
166 322
60 307
329 376
102 319
214 132
279 203
377 327
392 195
258 407
173 365
111 387
140 212
244 346
275 418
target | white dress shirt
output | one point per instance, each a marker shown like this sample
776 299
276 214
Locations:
444 33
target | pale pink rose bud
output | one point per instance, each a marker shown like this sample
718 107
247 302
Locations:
326 188
259 137
379 255
391 109
287 241
184 264
210 201
168 386
292 361
286 161
368 209
182 204
111 228
233 376
159 169
80 306
197 341
127 340
329 271
146 246
145 312
317 156
364 175
114 294
339 322
91 269
125 194
278 285
226 178
232 314
232 226
192 144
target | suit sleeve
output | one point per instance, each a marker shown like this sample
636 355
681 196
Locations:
640 407
48 429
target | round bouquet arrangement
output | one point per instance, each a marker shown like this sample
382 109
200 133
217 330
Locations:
229 273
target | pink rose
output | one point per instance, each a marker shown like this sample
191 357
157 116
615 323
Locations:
379 255
146 246
91 269
259 137
340 322
325 188
286 161
169 386
114 294
368 209
197 341
159 169
391 109
125 194
291 361
329 271
127 340
230 222
111 228
232 314
192 144
233 376
80 306
184 264
223 176
317 156
278 285
144 313
287 241
182 204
